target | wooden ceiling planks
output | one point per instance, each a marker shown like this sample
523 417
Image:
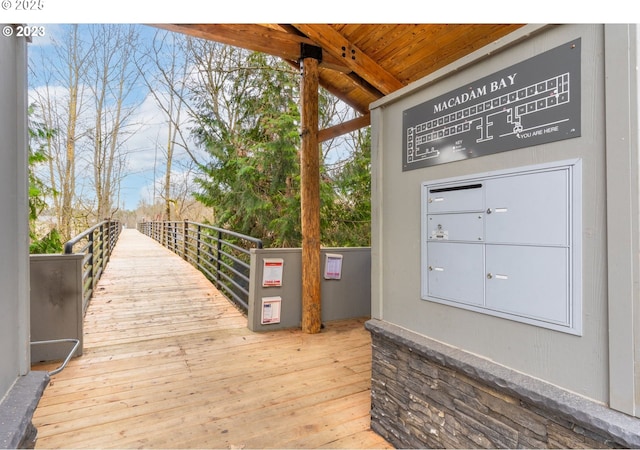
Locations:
339 46
377 59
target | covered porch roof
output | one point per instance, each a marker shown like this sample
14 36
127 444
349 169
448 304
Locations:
360 63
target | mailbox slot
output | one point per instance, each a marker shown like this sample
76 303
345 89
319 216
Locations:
455 198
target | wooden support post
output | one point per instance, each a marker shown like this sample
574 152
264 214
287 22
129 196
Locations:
310 197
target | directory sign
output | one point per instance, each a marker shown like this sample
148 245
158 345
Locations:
533 102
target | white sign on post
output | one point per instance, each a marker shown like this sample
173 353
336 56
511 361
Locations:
272 272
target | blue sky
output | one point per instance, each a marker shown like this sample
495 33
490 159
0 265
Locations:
144 147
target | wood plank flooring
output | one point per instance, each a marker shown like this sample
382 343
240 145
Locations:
169 363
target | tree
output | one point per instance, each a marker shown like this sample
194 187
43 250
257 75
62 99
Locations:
347 220
84 85
112 77
166 58
247 118
60 96
39 134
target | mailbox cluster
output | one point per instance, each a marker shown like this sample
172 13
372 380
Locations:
503 244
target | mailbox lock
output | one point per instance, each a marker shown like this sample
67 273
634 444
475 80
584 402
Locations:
489 211
489 276
430 268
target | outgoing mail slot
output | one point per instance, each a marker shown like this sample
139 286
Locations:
455 227
455 198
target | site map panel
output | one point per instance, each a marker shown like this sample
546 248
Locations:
534 102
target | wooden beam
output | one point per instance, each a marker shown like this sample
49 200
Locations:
282 41
310 197
254 37
344 127
335 44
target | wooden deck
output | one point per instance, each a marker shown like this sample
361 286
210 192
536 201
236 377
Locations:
169 363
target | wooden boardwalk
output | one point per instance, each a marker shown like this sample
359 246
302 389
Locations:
169 363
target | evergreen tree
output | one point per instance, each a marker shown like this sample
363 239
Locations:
247 117
252 180
38 190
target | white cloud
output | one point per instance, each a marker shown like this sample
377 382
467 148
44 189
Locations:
144 146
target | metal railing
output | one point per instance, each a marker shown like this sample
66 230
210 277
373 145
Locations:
61 367
223 256
96 243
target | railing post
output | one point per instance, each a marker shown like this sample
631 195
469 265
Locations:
107 238
198 246
102 253
171 244
185 233
218 258
175 238
92 253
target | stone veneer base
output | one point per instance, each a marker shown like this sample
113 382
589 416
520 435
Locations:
425 394
17 408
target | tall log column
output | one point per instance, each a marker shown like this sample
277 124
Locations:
310 195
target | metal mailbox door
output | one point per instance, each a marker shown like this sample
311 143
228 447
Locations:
456 227
528 209
455 272
528 281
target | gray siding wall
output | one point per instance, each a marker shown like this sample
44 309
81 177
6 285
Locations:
56 305
346 298
14 236
576 363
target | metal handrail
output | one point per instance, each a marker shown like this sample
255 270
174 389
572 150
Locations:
223 256
61 367
96 243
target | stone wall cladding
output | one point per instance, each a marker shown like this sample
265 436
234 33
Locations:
428 395
17 408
